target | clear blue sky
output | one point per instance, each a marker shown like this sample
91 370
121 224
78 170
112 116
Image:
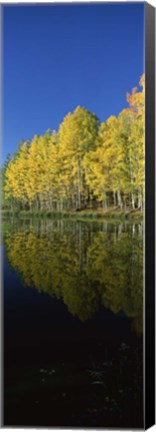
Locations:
56 57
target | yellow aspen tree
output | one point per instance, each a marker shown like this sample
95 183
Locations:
77 135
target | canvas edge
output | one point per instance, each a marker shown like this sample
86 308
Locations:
149 304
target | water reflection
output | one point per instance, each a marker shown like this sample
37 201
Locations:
85 264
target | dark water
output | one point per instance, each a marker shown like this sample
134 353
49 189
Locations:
73 330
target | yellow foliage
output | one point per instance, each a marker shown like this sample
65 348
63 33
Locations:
84 162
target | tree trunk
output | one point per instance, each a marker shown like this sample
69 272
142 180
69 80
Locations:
133 201
140 203
79 196
104 204
114 198
119 199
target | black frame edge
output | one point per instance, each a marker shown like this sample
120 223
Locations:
149 315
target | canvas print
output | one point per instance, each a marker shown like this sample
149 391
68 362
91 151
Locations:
72 214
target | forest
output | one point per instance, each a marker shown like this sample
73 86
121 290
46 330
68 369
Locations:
86 164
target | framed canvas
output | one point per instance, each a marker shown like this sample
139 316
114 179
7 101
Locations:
78 215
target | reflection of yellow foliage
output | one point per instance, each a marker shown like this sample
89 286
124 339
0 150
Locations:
137 324
118 266
85 267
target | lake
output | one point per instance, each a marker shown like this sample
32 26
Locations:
73 323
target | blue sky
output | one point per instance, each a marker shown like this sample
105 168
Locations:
56 57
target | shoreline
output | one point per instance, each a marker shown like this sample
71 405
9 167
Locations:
77 215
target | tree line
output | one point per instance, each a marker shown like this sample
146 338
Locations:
85 164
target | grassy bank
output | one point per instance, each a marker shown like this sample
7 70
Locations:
83 214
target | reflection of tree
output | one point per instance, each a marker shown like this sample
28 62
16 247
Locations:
117 266
84 264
